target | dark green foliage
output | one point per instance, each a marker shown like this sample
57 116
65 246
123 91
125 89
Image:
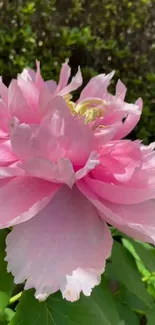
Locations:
98 35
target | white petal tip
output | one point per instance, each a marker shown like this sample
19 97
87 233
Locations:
71 296
42 296
81 280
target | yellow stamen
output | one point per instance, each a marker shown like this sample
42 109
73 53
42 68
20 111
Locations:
89 103
92 114
70 103
91 109
67 97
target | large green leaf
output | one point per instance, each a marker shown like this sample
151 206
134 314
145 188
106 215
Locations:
6 279
127 273
99 309
127 315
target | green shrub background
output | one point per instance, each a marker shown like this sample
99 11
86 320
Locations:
98 35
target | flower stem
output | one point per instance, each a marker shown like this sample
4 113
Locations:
15 298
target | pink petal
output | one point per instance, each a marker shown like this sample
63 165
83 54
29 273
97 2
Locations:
65 243
22 198
117 109
135 220
130 122
10 172
122 161
64 76
92 162
58 136
28 74
72 134
3 92
118 193
6 154
81 280
4 121
39 80
105 134
61 172
97 86
75 83
45 96
17 104
51 86
120 90
30 91
36 141
148 148
21 138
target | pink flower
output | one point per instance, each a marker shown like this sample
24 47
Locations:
64 173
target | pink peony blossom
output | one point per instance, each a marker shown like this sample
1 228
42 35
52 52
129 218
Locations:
64 173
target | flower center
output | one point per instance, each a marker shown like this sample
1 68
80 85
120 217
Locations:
91 109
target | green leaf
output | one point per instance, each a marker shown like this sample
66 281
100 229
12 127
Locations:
6 279
127 315
129 244
6 316
132 301
127 273
151 317
98 309
151 290
147 254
